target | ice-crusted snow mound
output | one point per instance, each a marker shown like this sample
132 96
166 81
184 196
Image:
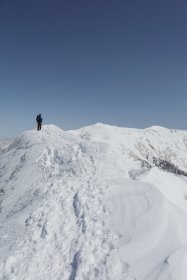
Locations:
4 143
79 205
48 199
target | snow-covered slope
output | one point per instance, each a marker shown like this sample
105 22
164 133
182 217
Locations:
97 203
4 143
154 155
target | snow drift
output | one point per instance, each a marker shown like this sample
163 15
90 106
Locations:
97 203
4 143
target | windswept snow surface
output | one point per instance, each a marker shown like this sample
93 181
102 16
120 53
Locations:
98 203
4 143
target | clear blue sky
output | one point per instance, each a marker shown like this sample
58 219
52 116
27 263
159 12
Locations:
78 62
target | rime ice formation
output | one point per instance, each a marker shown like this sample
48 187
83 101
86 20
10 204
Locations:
98 203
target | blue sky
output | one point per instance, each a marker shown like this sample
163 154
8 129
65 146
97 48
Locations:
78 62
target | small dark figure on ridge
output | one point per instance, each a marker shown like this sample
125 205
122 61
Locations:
39 122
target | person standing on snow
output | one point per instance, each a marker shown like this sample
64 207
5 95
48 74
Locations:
39 122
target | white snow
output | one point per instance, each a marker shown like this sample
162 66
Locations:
99 203
4 143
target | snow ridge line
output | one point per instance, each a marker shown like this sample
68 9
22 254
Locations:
62 226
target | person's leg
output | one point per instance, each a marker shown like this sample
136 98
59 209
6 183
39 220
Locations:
38 126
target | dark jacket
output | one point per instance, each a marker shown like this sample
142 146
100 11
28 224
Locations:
39 119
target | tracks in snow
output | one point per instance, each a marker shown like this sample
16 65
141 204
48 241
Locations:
62 232
82 227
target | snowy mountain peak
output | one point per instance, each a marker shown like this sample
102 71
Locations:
33 136
100 202
157 128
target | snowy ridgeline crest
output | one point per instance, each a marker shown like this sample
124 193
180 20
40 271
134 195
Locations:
152 147
99 203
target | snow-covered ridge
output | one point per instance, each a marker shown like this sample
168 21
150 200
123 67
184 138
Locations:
154 146
97 203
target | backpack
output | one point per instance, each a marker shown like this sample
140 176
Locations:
39 119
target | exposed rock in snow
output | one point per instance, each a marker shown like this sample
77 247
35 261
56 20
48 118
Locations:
99 203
